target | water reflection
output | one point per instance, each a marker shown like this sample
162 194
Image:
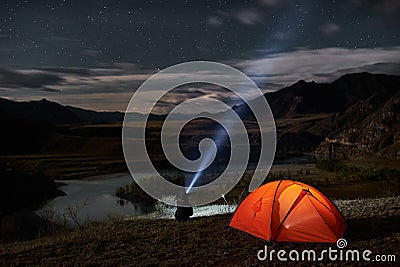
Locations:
93 201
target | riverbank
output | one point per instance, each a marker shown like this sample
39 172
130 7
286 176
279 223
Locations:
372 224
332 184
106 176
24 191
98 198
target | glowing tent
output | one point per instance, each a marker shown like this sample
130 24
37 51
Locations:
289 211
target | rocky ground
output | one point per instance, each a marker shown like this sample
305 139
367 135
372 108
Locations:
365 208
372 224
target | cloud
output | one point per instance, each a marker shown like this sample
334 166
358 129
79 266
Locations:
67 70
104 87
388 7
246 16
115 77
282 35
61 41
93 53
249 16
191 91
386 68
329 28
287 68
110 86
29 79
214 21
272 3
357 3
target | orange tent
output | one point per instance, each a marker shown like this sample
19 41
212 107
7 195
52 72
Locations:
289 211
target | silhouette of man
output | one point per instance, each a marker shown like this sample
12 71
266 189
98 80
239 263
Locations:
183 213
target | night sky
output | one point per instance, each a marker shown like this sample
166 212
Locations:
94 54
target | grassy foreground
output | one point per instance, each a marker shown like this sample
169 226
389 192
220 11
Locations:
199 242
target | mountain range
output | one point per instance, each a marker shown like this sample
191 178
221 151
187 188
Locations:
355 115
54 113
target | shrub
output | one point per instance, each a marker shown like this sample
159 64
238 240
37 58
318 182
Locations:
328 165
120 191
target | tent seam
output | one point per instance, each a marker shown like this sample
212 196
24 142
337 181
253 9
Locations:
292 207
273 205
341 216
330 229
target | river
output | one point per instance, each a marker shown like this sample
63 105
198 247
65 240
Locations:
94 199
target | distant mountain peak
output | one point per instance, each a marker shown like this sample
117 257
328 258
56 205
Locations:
55 113
300 82
336 96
